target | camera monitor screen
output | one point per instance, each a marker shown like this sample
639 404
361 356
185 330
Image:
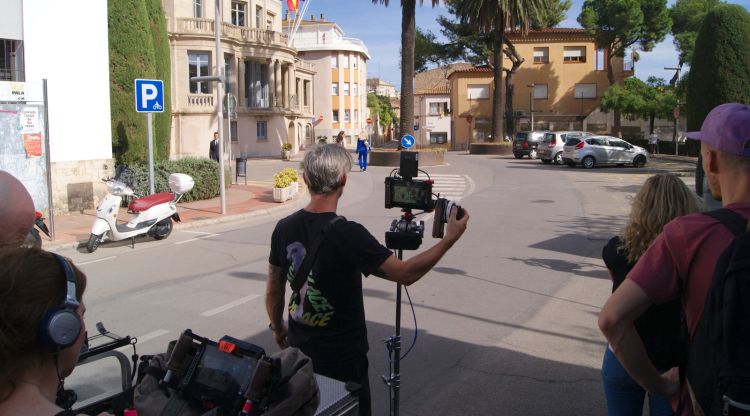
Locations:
407 193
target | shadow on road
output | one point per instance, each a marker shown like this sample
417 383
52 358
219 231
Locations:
596 271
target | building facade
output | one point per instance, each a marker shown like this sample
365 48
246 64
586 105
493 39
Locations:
382 87
340 95
35 44
272 88
432 105
562 79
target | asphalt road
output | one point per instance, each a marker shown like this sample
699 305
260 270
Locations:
507 320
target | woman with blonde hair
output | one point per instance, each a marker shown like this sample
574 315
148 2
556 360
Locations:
661 199
41 329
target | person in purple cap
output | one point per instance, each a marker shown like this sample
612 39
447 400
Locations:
681 261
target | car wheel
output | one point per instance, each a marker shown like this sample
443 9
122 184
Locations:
93 243
532 154
558 158
639 161
546 161
517 155
588 162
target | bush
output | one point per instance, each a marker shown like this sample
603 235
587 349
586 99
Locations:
286 146
285 178
205 173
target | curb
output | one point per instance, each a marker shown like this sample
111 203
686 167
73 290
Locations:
299 201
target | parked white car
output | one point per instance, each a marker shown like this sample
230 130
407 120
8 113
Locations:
602 150
551 147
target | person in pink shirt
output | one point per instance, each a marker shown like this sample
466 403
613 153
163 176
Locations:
681 261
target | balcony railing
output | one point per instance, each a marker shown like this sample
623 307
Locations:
240 33
305 65
200 100
628 66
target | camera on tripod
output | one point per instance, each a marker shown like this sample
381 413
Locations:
403 191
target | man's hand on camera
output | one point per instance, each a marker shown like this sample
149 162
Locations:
455 227
280 336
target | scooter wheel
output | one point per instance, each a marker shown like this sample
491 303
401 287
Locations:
93 243
162 229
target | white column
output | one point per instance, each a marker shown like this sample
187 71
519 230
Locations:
279 99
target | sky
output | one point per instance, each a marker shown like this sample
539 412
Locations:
379 27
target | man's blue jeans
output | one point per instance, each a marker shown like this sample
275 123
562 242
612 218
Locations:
624 396
362 157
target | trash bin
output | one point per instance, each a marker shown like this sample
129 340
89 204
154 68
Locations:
240 169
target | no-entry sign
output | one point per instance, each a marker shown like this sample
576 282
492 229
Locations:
369 120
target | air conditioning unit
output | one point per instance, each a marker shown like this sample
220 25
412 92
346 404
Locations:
520 113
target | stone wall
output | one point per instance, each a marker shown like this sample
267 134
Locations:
78 186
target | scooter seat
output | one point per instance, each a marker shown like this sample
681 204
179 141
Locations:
146 202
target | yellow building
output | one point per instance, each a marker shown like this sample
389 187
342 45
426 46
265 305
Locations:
564 72
271 86
340 95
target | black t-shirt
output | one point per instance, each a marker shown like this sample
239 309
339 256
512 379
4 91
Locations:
329 326
659 326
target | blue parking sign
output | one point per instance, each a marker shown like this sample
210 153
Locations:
149 96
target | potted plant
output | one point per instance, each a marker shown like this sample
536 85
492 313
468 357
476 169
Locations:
285 185
286 151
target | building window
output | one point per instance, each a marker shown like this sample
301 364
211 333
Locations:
198 66
335 88
346 88
438 138
334 61
574 54
601 63
348 139
258 17
540 91
541 55
262 130
228 85
11 60
438 109
585 91
347 113
478 91
233 131
355 88
345 61
198 9
305 92
256 84
239 10
269 21
355 61
335 116
356 116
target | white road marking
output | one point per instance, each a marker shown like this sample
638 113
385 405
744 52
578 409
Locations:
229 305
202 237
96 261
199 232
145 338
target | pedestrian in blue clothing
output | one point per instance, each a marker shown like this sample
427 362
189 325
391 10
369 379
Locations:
362 149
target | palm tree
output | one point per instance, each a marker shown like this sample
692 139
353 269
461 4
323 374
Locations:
408 9
494 17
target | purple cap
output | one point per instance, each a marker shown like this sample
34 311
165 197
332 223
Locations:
726 128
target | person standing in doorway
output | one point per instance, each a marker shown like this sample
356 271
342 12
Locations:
213 149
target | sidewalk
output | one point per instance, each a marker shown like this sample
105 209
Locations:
679 165
242 202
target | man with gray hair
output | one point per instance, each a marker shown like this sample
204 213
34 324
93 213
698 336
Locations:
326 315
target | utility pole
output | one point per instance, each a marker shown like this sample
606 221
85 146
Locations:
531 100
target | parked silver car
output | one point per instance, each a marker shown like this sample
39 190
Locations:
551 147
601 150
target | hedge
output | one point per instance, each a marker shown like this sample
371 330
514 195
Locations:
205 173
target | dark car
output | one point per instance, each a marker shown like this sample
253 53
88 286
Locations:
526 143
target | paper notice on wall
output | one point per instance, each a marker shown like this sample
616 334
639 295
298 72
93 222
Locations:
32 142
29 120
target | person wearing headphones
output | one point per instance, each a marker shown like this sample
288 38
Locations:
41 329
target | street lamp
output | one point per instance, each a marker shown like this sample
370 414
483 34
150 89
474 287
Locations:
676 108
531 100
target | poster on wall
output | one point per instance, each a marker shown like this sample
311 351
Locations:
32 142
28 120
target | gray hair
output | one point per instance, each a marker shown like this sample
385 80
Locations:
324 167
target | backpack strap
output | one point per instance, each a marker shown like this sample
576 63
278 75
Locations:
735 222
304 269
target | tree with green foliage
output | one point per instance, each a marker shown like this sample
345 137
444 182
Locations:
408 30
720 69
687 16
427 50
136 32
551 15
636 99
381 105
617 25
162 121
494 17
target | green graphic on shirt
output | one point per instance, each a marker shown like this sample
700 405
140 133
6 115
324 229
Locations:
322 310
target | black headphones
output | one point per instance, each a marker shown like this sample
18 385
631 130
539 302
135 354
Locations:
60 326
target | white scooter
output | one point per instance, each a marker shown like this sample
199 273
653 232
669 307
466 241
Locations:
153 213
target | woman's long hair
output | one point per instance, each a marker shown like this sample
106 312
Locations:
661 199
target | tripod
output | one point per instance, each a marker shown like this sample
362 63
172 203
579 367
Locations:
404 235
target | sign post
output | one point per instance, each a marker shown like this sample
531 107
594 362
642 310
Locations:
149 98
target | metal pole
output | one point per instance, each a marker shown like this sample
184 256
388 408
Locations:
149 120
531 105
396 376
219 105
51 214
